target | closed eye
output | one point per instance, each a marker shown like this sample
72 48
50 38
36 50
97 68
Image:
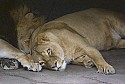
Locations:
49 51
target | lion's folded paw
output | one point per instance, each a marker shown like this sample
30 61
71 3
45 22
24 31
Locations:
36 67
9 64
89 64
106 69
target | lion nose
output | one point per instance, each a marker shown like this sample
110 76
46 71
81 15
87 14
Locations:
58 68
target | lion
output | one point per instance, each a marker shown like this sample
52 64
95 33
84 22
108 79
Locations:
28 25
74 38
13 54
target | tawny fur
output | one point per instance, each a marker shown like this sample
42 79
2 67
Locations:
26 23
80 33
25 32
9 51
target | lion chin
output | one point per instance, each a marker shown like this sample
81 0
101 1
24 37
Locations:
74 38
58 67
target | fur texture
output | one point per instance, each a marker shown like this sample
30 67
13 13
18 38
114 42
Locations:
75 37
9 51
26 23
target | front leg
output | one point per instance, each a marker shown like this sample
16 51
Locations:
101 64
10 52
27 62
83 60
9 64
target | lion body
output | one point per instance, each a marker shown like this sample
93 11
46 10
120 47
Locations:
95 29
73 36
96 26
100 27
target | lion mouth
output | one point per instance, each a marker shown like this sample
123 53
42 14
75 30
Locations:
63 66
58 67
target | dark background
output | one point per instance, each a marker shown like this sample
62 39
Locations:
51 9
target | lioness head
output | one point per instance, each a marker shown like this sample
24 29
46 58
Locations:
50 52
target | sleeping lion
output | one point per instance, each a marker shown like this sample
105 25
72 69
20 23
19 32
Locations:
27 26
72 38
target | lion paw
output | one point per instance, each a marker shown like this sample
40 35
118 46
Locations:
106 69
36 67
89 64
9 64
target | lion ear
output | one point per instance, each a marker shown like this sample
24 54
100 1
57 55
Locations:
42 38
29 16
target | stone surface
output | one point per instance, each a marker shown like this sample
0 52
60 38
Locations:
74 74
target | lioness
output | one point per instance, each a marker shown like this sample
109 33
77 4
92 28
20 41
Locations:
75 36
27 26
